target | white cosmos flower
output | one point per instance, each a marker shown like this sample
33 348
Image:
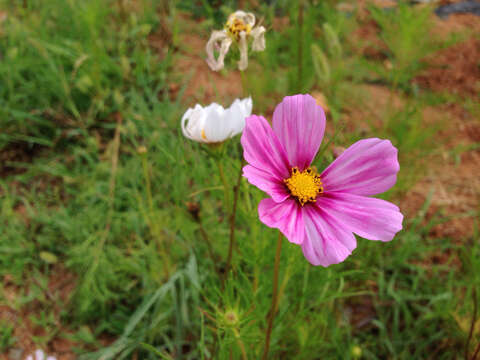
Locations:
213 123
40 355
238 30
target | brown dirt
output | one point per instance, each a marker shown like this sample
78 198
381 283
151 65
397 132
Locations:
451 175
56 297
14 154
454 70
453 178
365 40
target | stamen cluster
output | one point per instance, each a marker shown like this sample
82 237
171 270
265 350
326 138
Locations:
304 185
235 26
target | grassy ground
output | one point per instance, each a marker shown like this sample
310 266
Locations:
105 250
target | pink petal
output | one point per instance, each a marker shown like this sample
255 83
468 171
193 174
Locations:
286 216
368 167
299 124
370 218
326 241
267 182
262 149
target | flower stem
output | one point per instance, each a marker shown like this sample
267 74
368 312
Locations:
472 325
301 6
273 308
477 350
211 253
153 225
225 185
240 344
232 222
244 83
148 184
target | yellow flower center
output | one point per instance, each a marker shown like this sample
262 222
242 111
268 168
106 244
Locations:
304 185
235 27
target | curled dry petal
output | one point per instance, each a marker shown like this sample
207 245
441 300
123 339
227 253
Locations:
218 39
258 35
246 18
243 47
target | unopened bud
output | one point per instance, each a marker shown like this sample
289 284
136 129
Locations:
141 150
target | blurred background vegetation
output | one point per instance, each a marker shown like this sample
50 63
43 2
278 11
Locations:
103 249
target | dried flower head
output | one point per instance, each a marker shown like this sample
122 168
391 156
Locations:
239 28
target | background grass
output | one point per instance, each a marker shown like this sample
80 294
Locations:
82 88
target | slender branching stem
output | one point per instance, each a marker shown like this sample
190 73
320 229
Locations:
240 344
153 225
273 308
477 351
472 325
226 196
233 215
205 237
301 7
244 83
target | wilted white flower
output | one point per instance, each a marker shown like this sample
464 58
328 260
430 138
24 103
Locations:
238 29
40 355
213 123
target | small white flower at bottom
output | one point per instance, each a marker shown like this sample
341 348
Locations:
214 123
40 355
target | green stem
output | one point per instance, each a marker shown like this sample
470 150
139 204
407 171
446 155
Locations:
244 84
472 324
240 344
148 184
300 46
232 222
211 253
225 186
273 308
153 225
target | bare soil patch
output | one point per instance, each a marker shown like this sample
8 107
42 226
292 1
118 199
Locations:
56 297
454 70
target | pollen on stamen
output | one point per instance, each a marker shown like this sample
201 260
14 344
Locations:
304 185
235 27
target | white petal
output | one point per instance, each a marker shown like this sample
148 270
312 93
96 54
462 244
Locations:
243 47
29 357
221 38
258 35
39 355
51 358
217 128
193 123
236 114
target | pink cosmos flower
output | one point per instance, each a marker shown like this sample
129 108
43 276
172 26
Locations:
319 212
